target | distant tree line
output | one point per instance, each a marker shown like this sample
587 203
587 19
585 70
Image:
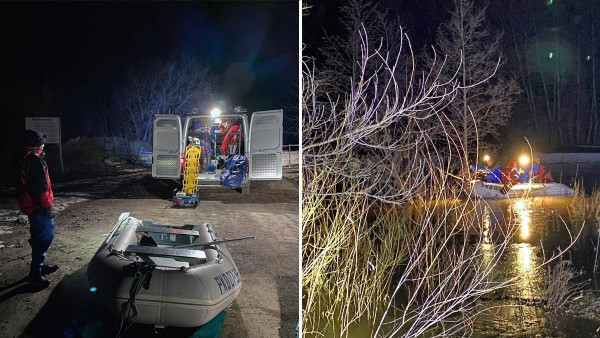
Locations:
152 86
543 57
555 48
174 86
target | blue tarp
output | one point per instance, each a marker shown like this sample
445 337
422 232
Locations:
494 175
233 176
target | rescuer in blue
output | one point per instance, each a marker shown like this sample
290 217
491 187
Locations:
35 200
528 171
490 173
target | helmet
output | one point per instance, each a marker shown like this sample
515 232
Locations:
34 138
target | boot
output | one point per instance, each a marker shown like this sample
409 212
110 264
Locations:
38 282
48 269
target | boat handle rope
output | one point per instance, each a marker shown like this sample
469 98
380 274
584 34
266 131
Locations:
142 277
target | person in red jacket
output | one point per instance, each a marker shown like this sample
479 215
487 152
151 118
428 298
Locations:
35 200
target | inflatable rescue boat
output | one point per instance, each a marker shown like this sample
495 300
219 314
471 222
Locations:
164 275
489 190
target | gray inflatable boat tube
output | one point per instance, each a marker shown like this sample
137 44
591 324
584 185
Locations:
188 287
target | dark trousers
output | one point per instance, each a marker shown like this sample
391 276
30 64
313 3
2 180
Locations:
42 233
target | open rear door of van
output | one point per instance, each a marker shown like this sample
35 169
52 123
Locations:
266 136
166 146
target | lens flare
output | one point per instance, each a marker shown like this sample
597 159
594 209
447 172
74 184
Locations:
524 160
215 112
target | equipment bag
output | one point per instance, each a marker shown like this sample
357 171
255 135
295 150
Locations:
235 172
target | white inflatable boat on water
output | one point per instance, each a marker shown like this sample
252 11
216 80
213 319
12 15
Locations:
176 276
499 191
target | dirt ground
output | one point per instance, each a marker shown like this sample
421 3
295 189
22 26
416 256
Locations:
89 203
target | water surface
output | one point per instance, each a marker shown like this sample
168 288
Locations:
542 226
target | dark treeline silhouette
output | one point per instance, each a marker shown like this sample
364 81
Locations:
555 46
548 47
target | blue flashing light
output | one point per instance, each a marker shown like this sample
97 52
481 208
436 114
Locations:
93 289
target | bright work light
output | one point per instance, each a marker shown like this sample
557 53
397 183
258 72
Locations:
215 112
486 157
524 160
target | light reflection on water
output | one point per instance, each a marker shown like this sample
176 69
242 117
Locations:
524 262
536 223
521 208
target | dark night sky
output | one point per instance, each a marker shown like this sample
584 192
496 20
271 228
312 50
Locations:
420 19
84 49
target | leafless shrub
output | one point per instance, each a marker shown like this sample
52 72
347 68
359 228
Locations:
367 155
377 202
305 8
561 287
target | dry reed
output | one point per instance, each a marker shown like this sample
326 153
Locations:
585 209
561 287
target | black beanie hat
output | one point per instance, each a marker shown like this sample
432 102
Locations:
34 138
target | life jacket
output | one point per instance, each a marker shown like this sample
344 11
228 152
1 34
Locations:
505 178
34 189
509 176
547 177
